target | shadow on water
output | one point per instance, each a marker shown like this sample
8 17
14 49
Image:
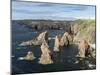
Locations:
67 56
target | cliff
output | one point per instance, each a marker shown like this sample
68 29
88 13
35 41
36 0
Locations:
84 29
45 24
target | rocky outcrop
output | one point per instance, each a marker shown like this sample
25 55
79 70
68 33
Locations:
45 24
57 46
37 41
84 49
29 57
66 39
84 29
45 56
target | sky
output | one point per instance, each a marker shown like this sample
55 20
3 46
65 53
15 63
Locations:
51 11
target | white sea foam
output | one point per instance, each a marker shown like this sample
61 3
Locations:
21 58
92 45
91 65
50 38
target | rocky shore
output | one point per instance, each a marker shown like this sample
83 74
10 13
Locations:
72 33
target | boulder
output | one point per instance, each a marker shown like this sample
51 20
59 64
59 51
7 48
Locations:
45 56
29 57
37 41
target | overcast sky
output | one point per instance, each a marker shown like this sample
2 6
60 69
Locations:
33 10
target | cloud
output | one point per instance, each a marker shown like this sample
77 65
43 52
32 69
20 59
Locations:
25 11
41 10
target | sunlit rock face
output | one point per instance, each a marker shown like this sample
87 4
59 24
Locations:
57 46
83 48
66 39
45 56
37 41
29 57
43 37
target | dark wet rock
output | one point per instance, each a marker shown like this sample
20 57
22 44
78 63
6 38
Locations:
45 56
37 41
46 24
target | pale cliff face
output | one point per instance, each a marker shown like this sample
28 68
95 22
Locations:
83 48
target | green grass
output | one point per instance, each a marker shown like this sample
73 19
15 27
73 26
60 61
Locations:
86 27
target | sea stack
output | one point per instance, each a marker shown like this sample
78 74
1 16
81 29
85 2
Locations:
36 41
29 57
57 46
66 39
45 56
83 48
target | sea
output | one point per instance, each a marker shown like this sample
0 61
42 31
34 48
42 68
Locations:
20 33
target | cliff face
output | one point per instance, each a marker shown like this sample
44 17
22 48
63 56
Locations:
45 24
80 29
84 29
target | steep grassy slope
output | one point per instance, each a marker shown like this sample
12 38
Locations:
84 29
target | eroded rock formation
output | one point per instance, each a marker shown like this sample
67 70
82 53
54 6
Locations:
83 48
38 40
66 39
45 56
29 57
57 46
